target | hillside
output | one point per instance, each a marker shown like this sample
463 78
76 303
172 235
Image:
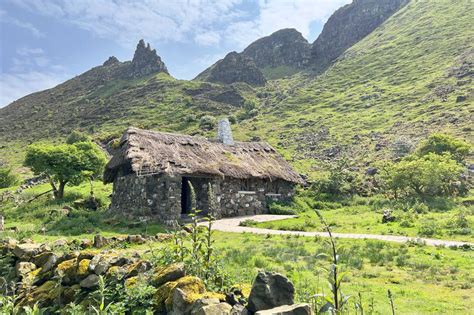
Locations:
410 76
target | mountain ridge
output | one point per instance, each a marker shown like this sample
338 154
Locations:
410 76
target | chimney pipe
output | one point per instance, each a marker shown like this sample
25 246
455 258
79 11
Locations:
224 133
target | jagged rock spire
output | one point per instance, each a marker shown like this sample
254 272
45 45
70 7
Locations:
146 61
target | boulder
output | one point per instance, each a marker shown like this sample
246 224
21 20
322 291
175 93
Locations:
83 268
60 242
270 290
101 241
27 250
214 309
239 309
137 268
136 239
90 281
169 273
86 243
191 286
296 309
45 260
67 270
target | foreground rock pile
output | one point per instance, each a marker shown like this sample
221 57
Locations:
46 277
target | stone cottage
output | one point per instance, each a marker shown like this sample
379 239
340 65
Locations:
153 174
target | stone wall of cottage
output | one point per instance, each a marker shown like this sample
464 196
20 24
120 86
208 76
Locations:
237 197
159 196
147 196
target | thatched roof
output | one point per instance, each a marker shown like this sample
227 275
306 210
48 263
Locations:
150 152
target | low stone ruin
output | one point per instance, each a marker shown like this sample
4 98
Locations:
44 277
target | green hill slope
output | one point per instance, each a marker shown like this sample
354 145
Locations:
411 76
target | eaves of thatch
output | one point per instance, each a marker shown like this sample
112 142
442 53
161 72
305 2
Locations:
149 152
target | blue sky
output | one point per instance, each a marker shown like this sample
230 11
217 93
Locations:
45 42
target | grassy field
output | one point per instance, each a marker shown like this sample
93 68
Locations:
424 280
454 223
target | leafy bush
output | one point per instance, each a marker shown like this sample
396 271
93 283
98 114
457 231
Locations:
282 208
7 178
428 228
425 176
207 122
340 180
441 143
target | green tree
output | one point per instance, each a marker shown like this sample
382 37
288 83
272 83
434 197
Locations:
423 176
65 163
440 143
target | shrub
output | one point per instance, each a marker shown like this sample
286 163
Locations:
7 178
340 180
441 144
207 122
428 228
425 176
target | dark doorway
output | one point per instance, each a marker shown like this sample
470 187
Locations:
186 203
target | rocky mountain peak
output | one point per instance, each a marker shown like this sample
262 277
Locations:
146 61
111 61
348 25
286 47
233 68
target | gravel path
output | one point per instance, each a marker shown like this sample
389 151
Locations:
232 225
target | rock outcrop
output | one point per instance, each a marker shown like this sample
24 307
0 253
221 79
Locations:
111 61
281 53
233 68
146 61
347 26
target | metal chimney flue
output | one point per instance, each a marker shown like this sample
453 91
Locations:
224 132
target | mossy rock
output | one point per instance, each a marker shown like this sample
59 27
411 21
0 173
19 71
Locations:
190 285
83 268
43 295
191 298
67 270
137 268
169 273
131 282
116 272
87 254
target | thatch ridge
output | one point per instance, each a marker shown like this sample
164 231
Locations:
152 152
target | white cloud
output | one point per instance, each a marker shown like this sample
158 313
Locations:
207 38
277 14
207 22
31 71
16 85
5 18
26 51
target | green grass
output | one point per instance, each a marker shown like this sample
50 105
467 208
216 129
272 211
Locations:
364 215
30 218
424 280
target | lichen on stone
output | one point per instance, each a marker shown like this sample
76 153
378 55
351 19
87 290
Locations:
83 267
